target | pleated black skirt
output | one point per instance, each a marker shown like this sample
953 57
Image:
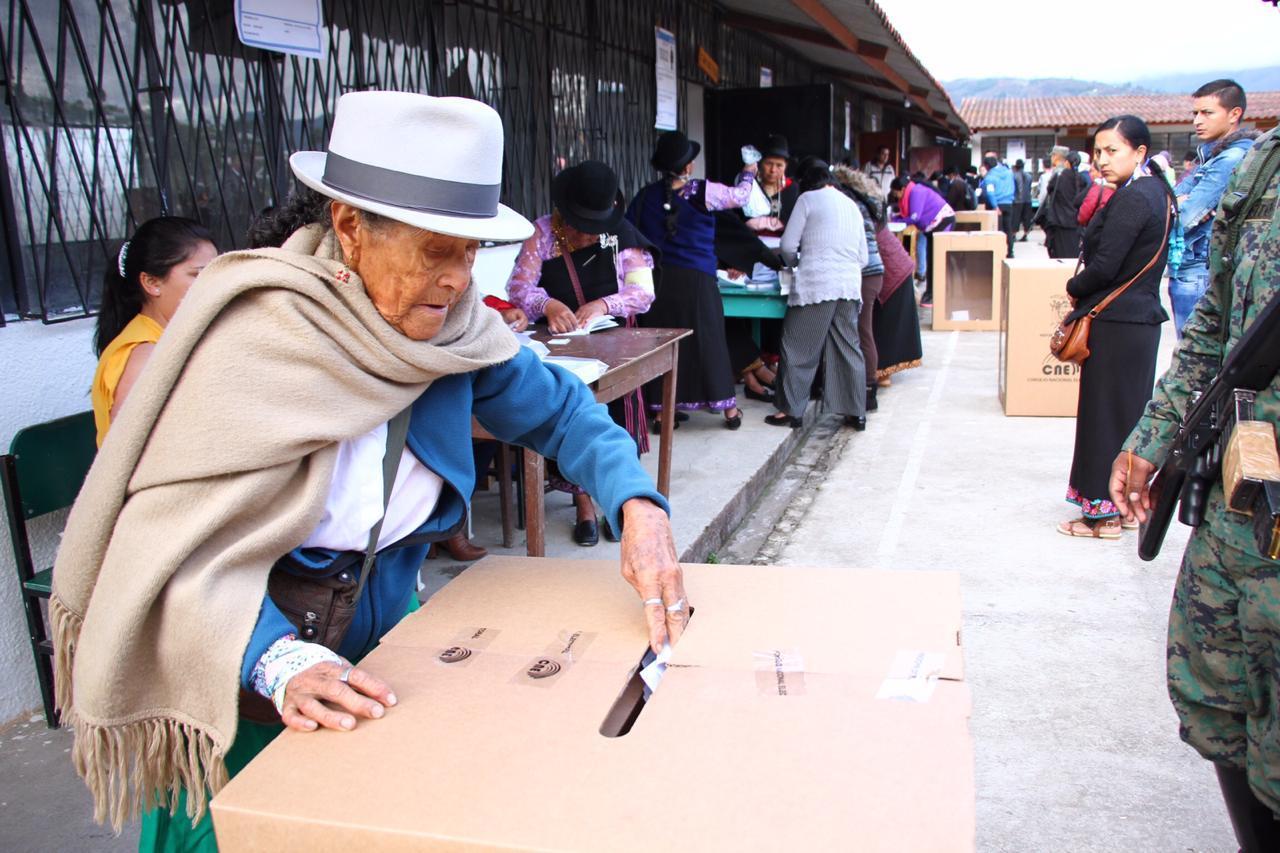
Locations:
896 325
1115 385
689 299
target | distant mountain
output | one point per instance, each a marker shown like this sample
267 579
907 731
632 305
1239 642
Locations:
1252 79
1045 87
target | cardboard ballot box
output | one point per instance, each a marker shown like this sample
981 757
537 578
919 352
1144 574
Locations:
1034 301
966 279
806 709
977 220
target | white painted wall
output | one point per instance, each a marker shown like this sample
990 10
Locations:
48 371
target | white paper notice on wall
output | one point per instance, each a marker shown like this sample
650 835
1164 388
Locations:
284 26
766 77
664 66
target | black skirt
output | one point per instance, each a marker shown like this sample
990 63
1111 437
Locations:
1115 385
688 299
896 324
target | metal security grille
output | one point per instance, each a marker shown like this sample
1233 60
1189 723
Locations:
120 110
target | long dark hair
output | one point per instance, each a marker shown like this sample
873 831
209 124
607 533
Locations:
274 225
157 247
672 217
1136 134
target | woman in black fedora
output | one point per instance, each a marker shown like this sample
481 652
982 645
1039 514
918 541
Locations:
584 261
676 213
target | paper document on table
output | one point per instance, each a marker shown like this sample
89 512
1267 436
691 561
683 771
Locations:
597 324
651 674
526 340
586 369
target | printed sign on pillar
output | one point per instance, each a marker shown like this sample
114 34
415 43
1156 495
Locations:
285 26
665 78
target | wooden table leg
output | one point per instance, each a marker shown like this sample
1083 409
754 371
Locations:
668 423
534 515
504 494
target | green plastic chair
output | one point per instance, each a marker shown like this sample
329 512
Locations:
42 473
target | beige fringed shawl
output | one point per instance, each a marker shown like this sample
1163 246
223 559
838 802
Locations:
219 464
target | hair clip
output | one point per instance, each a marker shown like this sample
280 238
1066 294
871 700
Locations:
609 241
120 259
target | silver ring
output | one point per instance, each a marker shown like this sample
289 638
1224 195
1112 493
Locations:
677 607
346 674
649 602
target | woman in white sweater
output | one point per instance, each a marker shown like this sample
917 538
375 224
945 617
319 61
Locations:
821 326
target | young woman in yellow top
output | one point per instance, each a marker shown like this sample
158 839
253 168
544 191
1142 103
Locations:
139 295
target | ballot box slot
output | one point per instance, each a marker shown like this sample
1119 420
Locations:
640 686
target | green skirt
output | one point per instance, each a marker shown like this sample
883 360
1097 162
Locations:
162 832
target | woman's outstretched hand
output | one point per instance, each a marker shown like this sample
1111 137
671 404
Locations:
319 696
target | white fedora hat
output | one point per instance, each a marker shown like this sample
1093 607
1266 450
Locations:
434 163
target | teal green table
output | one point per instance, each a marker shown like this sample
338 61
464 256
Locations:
756 304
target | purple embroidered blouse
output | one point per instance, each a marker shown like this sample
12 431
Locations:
524 292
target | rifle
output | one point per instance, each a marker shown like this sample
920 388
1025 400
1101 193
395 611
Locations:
1195 457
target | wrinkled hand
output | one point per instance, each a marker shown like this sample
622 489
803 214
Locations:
649 564
587 313
559 318
734 275
1130 485
516 319
317 697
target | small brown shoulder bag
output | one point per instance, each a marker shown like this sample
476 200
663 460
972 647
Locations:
1070 341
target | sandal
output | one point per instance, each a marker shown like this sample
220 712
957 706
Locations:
1126 524
1108 528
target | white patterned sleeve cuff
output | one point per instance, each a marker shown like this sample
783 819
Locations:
284 659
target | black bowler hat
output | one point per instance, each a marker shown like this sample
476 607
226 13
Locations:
776 146
674 151
588 197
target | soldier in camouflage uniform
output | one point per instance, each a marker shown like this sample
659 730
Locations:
1224 624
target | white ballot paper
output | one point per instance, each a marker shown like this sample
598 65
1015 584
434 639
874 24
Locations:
652 674
586 369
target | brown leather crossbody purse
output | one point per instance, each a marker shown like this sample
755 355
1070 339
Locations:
1070 341
322 607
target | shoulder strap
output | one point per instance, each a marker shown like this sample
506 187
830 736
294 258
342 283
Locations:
1160 253
1235 207
566 252
397 434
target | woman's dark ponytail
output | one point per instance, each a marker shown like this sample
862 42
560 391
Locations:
669 202
157 247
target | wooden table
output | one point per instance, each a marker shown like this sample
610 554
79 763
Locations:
634 357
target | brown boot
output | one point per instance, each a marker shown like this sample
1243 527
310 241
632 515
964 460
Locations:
460 548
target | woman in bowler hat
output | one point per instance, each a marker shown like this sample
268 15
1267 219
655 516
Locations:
585 260
676 213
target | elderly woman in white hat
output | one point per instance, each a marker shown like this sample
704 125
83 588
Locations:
258 514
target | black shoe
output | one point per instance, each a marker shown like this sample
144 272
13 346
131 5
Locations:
657 424
586 532
607 529
733 422
766 397
872 405
858 424
681 417
783 420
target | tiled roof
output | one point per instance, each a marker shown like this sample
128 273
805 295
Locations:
1087 110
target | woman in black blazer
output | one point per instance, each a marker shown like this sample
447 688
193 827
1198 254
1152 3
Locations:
1116 380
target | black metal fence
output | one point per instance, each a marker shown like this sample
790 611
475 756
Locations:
120 110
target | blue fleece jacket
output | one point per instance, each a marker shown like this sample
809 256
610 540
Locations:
1203 188
998 187
522 401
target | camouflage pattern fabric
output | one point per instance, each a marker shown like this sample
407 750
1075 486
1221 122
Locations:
1224 624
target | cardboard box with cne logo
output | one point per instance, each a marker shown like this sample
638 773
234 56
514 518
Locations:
815 709
1033 302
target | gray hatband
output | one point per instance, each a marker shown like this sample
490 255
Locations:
416 192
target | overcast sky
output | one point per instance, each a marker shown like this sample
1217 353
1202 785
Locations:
1030 38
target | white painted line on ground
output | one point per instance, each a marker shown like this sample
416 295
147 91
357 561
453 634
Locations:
915 458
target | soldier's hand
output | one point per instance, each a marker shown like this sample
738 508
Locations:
1130 485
